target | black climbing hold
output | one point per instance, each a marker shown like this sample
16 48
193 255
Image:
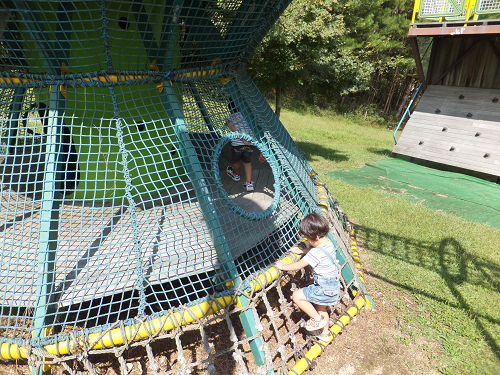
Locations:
477 134
123 23
420 143
495 100
438 110
452 148
461 97
469 114
444 130
140 126
486 156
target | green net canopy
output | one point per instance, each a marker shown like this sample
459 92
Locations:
114 144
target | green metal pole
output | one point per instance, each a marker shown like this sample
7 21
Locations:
46 306
213 223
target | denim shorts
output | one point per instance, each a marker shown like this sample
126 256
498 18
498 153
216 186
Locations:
325 291
243 153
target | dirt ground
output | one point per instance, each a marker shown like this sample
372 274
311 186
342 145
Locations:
371 344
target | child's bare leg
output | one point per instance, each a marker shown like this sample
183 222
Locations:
248 171
236 168
306 306
322 310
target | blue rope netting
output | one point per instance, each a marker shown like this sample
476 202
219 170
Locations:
115 202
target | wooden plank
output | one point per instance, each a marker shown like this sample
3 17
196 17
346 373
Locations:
469 96
452 93
445 147
449 121
475 27
490 168
481 142
426 125
478 106
450 150
458 163
456 90
461 112
447 130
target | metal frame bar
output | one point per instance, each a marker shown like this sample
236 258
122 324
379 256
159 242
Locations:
46 305
201 105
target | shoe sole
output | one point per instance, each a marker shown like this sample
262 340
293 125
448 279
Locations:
325 338
309 328
232 178
231 175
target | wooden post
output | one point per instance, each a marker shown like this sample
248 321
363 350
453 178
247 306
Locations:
418 62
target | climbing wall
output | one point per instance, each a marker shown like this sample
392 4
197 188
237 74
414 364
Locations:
455 126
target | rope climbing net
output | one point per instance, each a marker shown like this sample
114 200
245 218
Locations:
119 227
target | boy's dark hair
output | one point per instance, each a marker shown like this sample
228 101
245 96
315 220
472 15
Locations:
313 226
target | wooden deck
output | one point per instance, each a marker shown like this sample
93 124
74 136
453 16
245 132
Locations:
455 126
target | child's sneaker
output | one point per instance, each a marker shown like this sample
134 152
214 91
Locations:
313 324
248 185
324 336
234 177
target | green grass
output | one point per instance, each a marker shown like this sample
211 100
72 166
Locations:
335 142
448 267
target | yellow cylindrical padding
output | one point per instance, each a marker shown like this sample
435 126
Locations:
13 351
134 332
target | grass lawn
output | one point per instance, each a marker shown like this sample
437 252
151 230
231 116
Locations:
448 268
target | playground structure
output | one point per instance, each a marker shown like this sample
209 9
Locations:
119 229
455 124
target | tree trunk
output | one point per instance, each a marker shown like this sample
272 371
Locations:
278 101
404 99
391 92
374 90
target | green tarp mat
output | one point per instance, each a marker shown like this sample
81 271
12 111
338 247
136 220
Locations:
457 194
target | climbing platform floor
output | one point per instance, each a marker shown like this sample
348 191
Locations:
455 126
97 245
262 176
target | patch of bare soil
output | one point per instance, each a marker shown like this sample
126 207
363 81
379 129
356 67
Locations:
372 343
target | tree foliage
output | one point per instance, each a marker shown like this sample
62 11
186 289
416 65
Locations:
332 49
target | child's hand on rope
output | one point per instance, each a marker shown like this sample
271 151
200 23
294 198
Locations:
297 250
279 264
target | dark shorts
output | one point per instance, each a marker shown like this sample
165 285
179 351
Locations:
243 153
325 291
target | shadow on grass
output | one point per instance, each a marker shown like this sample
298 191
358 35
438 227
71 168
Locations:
310 150
380 151
455 266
